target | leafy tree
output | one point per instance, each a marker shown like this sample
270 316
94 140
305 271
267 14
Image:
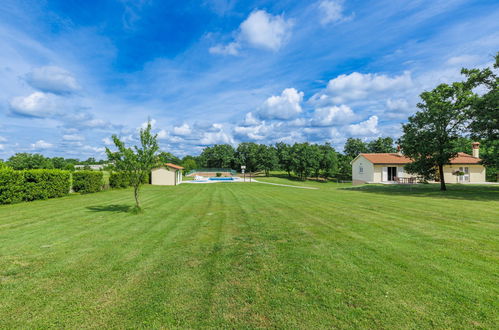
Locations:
381 145
167 157
353 147
247 154
344 167
284 157
219 156
430 135
267 158
303 159
329 161
189 164
135 162
27 161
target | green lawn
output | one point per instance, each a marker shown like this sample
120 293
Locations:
254 255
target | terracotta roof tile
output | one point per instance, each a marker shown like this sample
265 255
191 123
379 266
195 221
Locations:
394 158
174 166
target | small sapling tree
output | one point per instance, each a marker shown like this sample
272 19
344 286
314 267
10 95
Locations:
136 163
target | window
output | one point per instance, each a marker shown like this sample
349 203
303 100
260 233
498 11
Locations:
361 169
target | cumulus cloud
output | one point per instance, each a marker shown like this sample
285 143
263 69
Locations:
217 137
251 120
37 104
255 133
94 149
333 115
52 79
332 12
356 86
259 30
368 127
183 130
41 144
73 137
285 106
108 141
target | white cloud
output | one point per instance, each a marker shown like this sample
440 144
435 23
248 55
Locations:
2 139
332 11
286 106
229 49
257 133
210 138
357 85
52 79
333 115
251 120
144 124
264 30
259 30
183 130
368 127
398 105
108 141
463 60
94 149
73 137
37 104
40 144
2 147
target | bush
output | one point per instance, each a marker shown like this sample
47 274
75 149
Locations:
118 180
87 181
30 185
11 186
219 174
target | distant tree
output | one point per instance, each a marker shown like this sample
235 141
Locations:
284 157
353 147
344 167
135 162
315 154
247 155
189 164
381 145
430 135
167 157
329 164
218 156
27 161
267 158
303 159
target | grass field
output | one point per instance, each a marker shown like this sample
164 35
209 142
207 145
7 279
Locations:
254 255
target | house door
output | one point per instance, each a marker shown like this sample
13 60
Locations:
392 173
466 176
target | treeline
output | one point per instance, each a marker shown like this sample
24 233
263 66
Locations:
28 161
300 159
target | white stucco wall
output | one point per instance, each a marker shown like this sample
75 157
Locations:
163 176
367 173
476 173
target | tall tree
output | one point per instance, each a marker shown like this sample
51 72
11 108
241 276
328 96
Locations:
381 145
135 162
267 158
167 157
284 157
329 161
27 161
353 147
430 135
247 155
219 156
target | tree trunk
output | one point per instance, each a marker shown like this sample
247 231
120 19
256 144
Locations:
442 179
136 195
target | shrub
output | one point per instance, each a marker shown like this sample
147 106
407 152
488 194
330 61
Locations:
11 186
118 180
219 174
30 185
43 184
87 181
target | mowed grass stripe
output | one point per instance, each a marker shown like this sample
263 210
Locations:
250 255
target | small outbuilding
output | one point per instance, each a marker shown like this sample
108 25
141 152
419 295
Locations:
167 175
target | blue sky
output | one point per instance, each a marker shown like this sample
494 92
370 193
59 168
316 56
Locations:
223 71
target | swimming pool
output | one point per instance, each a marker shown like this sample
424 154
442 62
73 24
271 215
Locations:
221 179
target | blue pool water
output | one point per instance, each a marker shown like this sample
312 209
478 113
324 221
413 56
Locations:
221 179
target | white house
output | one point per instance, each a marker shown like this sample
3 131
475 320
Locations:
389 167
167 175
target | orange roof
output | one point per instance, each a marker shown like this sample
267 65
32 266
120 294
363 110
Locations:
395 158
174 166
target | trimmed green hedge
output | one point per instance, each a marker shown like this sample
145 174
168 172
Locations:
30 185
118 180
87 181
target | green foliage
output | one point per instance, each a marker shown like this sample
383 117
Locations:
284 157
267 158
138 161
30 185
218 156
431 134
87 181
119 180
381 145
353 147
189 164
218 174
247 155
166 157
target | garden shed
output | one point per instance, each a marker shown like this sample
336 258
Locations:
167 175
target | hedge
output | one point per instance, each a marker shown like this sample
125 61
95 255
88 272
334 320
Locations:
87 181
120 180
30 185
